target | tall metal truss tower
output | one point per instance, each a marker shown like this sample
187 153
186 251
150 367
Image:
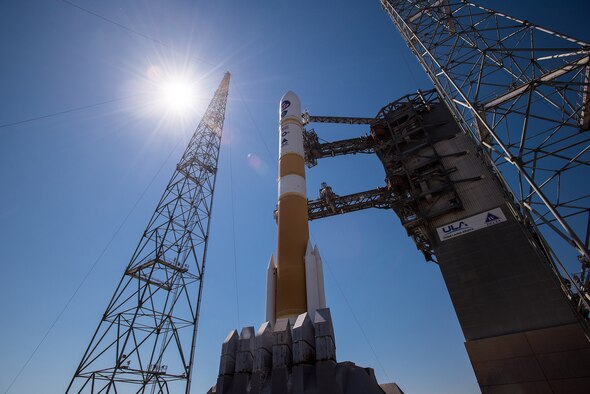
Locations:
522 92
145 341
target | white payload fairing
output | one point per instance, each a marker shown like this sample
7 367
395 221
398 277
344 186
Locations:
295 282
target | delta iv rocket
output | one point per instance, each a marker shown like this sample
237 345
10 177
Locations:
295 282
294 350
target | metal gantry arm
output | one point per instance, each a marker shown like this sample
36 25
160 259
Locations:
330 204
418 187
315 150
307 118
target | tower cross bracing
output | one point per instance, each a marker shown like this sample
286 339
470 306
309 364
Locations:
145 341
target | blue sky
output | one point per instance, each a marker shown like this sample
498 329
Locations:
69 181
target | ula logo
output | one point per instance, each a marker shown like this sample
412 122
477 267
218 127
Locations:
452 228
285 104
491 218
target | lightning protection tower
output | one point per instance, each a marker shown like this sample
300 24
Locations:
145 341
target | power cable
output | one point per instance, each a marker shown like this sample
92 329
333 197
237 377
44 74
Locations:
122 26
233 218
68 111
358 323
405 60
256 126
101 254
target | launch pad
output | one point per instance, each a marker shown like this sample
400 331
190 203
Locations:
292 358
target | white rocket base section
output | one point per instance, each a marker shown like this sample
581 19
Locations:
271 289
314 279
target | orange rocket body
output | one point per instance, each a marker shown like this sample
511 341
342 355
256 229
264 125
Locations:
293 230
295 281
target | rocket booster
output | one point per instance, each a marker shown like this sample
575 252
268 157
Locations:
293 229
295 284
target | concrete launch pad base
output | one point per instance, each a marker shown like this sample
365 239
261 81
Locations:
292 358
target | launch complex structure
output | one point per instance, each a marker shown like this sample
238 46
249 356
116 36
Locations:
488 174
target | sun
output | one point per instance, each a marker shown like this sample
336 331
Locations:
178 95
173 94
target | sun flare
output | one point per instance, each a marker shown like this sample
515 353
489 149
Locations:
173 94
178 95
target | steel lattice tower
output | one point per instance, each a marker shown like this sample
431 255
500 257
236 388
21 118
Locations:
522 92
145 341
